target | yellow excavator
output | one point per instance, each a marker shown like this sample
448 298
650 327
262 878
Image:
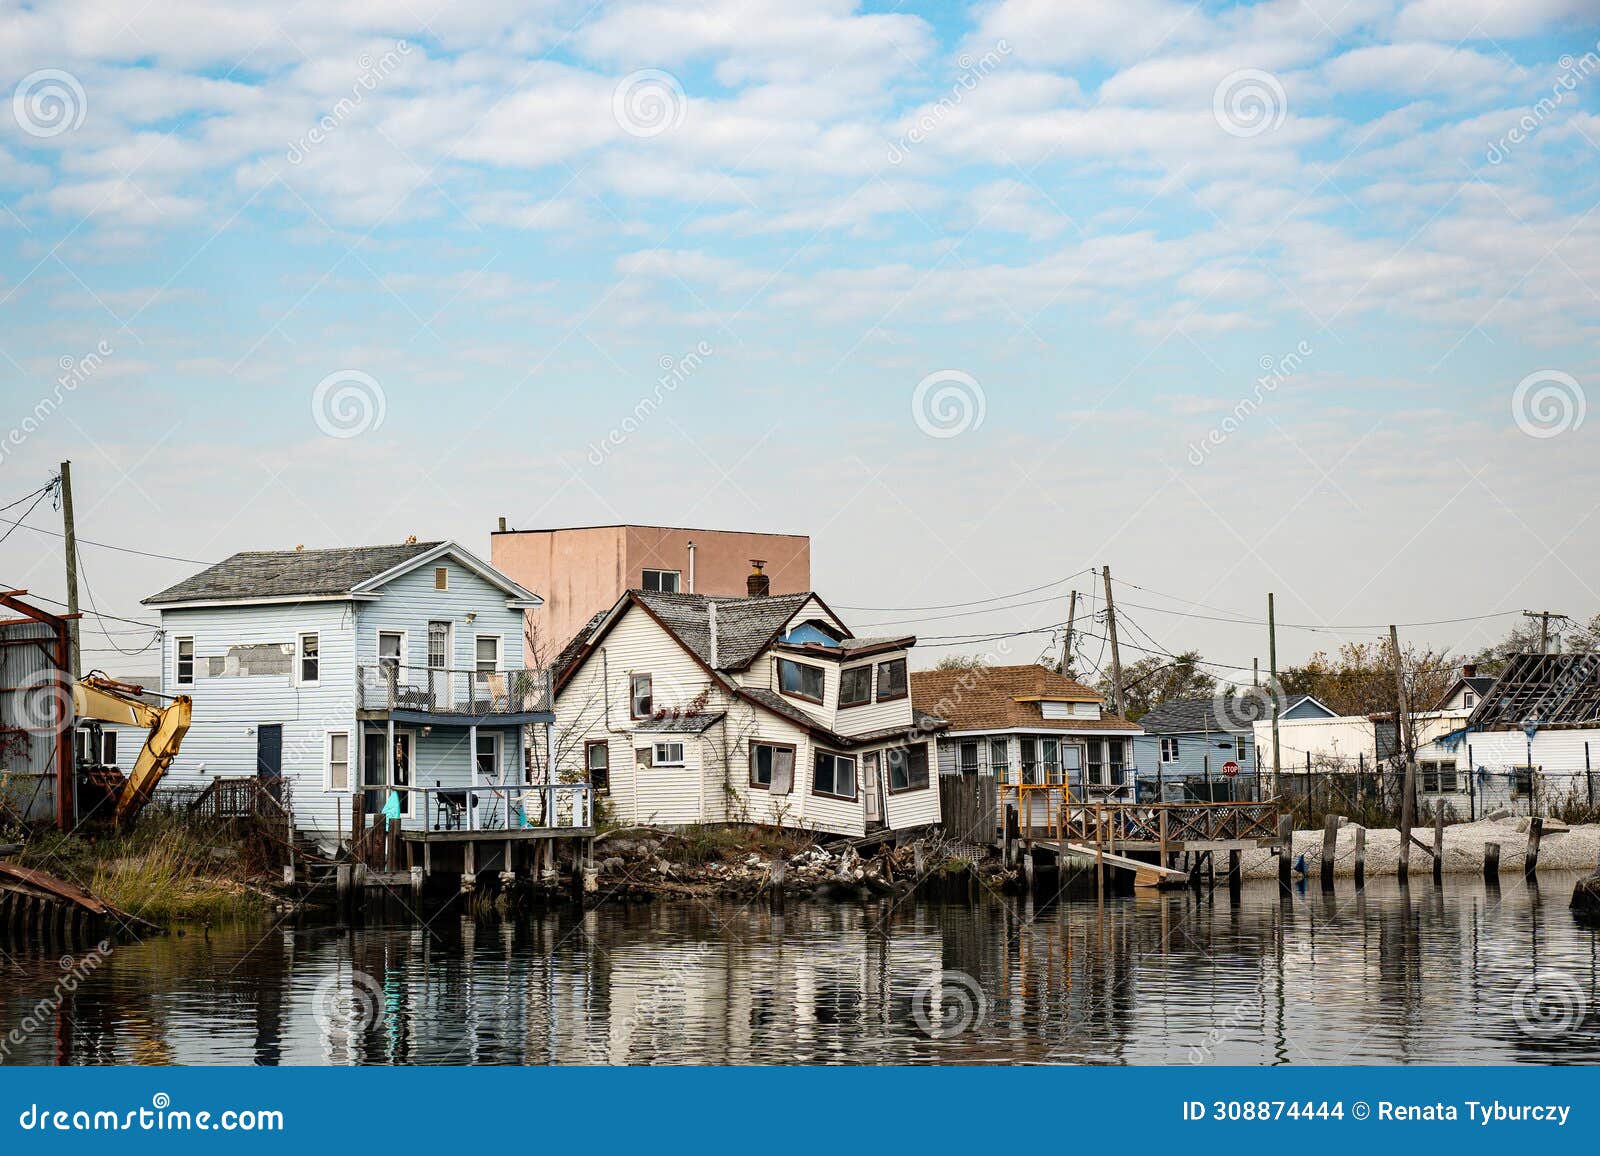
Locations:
98 698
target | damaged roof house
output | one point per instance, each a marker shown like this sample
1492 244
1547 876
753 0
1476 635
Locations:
688 708
371 670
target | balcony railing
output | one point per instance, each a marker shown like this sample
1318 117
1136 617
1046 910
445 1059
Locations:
440 691
496 807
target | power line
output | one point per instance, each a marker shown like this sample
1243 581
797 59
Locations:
958 605
96 614
37 498
108 545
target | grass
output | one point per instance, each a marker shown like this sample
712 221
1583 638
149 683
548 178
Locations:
704 843
165 870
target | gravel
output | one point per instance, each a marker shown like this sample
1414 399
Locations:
1562 848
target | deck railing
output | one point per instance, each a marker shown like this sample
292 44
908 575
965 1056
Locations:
442 691
1168 823
495 807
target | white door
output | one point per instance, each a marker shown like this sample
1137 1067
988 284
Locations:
872 764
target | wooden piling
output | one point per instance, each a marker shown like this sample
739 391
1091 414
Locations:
1235 870
1330 843
1407 812
1438 844
1361 857
1285 850
1491 863
1530 865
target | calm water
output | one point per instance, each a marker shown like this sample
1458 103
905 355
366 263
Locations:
1374 978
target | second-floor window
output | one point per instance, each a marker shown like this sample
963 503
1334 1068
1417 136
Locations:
662 581
1169 750
667 755
641 701
891 679
855 686
597 758
488 653
391 645
800 680
310 659
183 662
438 645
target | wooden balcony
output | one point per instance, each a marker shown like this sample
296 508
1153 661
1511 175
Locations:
439 696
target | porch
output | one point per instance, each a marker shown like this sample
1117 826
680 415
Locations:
427 695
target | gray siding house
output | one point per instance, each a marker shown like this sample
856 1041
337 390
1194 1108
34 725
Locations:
392 671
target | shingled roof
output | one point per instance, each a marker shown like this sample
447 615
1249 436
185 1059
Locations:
986 698
290 573
744 625
1185 715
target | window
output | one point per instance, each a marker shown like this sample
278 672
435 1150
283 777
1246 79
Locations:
969 757
772 767
1106 762
668 755
891 679
310 659
441 578
640 700
908 768
391 646
1468 699
799 680
108 748
1030 760
999 757
855 686
487 653
336 776
1169 750
662 581
1521 782
438 646
1428 778
834 776
597 758
183 652
488 755
86 752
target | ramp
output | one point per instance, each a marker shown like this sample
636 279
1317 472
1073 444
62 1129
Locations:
1144 874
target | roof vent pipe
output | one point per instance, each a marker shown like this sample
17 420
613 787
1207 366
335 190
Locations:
691 567
711 625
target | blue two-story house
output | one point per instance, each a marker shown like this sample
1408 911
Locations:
392 673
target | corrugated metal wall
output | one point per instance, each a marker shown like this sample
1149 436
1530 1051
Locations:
28 704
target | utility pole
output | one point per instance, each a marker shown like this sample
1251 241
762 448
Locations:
1277 699
1544 617
1408 804
1116 654
1066 643
69 530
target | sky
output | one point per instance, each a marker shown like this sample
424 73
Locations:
1297 296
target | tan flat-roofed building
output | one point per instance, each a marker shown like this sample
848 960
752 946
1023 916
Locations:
580 571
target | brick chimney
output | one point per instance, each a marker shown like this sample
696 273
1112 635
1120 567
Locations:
1469 670
758 585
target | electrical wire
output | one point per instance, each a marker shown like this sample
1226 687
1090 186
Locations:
108 545
89 590
37 498
958 605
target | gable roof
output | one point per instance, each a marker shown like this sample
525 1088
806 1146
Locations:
985 698
285 575
745 626
1183 715
1479 684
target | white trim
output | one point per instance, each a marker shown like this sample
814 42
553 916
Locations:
405 644
682 759
678 574
499 651
300 637
222 603
499 754
449 644
1046 731
477 565
349 761
194 660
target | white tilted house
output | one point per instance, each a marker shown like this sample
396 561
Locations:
686 708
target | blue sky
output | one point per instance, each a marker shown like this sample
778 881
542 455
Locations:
257 228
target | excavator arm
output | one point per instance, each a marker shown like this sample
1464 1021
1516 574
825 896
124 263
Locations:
98 697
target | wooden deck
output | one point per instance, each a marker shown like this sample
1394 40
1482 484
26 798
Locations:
1171 827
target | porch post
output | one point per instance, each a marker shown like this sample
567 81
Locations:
472 754
388 763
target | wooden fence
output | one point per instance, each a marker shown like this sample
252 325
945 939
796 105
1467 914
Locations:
969 807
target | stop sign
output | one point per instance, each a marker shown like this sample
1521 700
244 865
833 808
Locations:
1230 768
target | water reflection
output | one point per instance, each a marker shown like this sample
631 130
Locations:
1383 976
